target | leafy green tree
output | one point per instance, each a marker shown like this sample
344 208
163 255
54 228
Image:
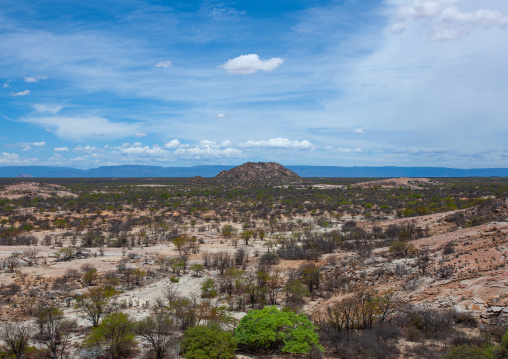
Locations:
208 288
90 276
179 243
97 303
208 342
115 334
270 328
197 268
228 231
295 290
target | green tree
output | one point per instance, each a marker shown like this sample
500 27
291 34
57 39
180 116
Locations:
208 342
228 231
90 276
271 328
97 303
208 288
115 335
197 268
179 243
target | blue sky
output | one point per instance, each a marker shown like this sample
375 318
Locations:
182 83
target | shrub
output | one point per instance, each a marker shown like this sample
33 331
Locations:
208 342
469 352
269 258
270 328
208 288
401 248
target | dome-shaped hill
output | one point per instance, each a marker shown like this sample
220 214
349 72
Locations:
257 173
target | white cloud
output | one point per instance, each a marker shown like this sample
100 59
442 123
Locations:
248 64
358 130
172 144
35 78
221 115
163 64
14 159
61 149
44 108
79 128
5 85
208 150
448 22
226 143
144 151
88 149
21 93
349 150
27 148
141 134
279 142
27 145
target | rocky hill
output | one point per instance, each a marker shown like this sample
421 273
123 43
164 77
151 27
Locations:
33 190
257 173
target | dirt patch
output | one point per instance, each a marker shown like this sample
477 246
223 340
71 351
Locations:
407 182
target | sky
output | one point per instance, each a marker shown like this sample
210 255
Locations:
181 83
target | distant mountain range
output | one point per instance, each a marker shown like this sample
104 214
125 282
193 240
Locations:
210 171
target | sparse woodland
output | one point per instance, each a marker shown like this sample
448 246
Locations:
162 268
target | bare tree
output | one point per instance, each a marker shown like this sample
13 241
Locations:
16 336
31 254
12 262
158 330
54 330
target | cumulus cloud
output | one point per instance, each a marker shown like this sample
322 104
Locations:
80 128
5 85
358 130
88 149
163 64
141 134
35 78
39 144
172 144
221 115
448 22
279 142
144 151
44 108
61 149
208 150
248 64
21 93
14 159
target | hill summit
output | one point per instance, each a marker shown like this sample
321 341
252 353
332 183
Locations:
257 173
